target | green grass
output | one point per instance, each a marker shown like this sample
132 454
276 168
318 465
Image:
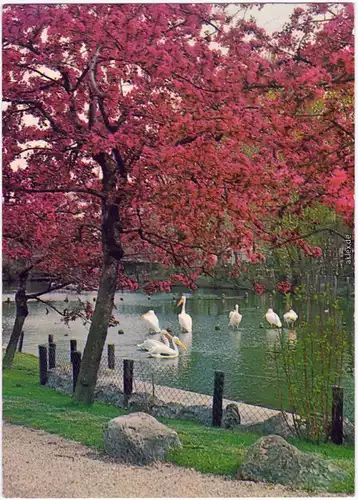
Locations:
206 449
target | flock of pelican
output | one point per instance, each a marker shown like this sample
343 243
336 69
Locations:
163 349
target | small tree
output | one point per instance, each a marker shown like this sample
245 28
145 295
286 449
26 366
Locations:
42 234
312 361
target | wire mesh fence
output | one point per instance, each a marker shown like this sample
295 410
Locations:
137 384
152 383
349 403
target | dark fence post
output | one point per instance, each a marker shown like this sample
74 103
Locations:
76 365
21 341
127 376
218 398
111 357
51 354
43 364
337 415
50 339
73 348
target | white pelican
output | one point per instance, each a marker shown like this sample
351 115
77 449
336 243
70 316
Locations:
185 321
152 321
148 344
290 317
235 317
272 318
163 351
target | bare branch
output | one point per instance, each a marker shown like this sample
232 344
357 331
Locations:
48 290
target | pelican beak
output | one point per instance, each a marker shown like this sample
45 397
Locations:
142 315
167 334
180 302
180 344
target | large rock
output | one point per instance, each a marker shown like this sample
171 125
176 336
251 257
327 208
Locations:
139 438
273 460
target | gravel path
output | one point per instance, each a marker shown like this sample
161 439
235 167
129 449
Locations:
41 465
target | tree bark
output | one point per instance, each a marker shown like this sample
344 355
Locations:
21 314
97 335
112 254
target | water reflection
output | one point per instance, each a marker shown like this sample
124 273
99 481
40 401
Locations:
272 335
187 339
292 336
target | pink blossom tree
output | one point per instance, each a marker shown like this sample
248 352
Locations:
188 150
48 234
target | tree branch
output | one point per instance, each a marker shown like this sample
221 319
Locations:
92 192
49 290
50 305
44 113
304 236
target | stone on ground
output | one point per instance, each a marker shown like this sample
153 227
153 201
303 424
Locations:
142 401
139 438
278 425
232 418
274 460
348 431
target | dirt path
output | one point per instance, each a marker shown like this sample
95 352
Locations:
41 465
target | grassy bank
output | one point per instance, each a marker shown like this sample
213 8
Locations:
206 449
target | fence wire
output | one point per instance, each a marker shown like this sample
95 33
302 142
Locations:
154 389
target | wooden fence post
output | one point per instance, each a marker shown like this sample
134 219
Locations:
127 376
50 339
51 354
73 348
218 398
111 356
337 415
43 364
21 341
76 365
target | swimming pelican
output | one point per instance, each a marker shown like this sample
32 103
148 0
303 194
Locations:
185 321
272 318
290 317
235 317
152 321
163 351
148 344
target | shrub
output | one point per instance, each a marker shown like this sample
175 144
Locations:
312 360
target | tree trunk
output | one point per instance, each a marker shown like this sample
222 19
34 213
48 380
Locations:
111 229
21 313
97 335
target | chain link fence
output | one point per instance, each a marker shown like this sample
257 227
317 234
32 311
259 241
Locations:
141 385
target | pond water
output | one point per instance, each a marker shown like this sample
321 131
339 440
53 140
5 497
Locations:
244 355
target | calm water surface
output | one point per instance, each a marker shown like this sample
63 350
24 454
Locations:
244 354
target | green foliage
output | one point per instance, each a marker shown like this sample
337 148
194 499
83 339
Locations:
312 363
206 449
